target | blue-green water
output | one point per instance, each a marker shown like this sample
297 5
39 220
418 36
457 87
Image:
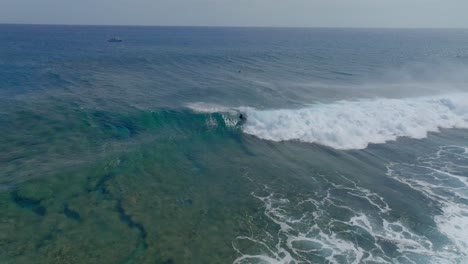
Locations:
354 149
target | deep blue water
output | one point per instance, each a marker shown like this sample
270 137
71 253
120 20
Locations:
354 149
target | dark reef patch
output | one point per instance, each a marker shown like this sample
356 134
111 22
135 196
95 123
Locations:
69 213
127 219
28 203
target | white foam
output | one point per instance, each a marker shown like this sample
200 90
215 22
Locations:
356 124
317 235
325 225
441 180
228 114
208 108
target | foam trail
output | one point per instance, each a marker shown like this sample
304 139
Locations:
326 227
228 114
207 108
356 124
442 177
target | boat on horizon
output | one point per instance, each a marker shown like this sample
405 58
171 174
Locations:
114 39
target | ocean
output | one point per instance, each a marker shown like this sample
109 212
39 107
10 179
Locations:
353 147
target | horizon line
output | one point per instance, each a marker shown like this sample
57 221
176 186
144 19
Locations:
223 26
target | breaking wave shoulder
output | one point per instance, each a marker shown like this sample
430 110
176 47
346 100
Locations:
356 124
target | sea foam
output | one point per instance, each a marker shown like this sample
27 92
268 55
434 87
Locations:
325 226
442 178
356 124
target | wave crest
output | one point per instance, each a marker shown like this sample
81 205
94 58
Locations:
356 124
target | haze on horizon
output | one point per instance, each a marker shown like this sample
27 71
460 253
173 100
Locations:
290 13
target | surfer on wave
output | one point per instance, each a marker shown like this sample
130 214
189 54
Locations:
242 117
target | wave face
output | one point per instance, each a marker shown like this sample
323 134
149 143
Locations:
356 124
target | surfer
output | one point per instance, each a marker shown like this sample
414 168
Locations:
242 117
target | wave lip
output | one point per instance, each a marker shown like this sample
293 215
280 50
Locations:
206 108
356 124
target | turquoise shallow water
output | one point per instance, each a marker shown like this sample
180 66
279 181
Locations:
354 148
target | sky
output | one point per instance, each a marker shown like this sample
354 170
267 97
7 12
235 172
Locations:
283 13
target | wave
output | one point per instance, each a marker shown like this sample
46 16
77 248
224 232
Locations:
351 124
356 124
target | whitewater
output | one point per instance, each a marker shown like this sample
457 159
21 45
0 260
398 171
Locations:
353 124
356 124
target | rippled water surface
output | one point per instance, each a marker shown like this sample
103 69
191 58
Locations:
353 148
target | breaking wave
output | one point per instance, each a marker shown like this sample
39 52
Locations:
442 178
356 124
351 124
